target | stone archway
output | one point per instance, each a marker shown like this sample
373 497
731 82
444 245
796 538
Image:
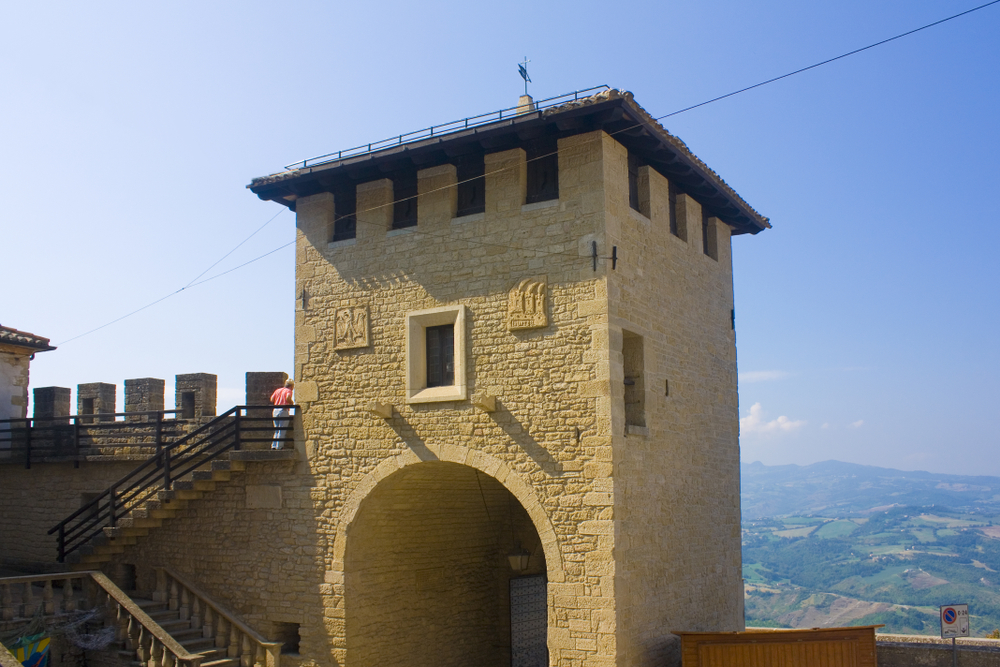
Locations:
426 569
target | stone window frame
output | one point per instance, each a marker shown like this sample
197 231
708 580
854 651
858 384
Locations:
417 322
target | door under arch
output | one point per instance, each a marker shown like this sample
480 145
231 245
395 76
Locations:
428 573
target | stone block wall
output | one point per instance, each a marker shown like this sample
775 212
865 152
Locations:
260 386
13 385
930 651
51 402
96 398
32 501
195 395
677 503
635 524
143 395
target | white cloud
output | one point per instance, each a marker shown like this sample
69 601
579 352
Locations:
763 376
825 425
754 423
858 424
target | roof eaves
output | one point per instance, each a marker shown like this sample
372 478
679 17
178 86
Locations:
16 338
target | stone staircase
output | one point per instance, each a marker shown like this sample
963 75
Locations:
187 632
164 505
178 626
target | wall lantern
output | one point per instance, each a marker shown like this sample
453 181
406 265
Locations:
519 559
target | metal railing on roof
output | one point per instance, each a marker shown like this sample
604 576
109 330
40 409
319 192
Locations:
444 128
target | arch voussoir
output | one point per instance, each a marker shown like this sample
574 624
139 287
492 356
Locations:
481 461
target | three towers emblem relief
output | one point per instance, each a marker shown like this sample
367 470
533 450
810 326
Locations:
526 305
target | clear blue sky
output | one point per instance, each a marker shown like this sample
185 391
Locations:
866 318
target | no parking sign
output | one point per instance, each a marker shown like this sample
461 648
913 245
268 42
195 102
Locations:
954 621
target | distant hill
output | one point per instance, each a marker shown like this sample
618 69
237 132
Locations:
836 488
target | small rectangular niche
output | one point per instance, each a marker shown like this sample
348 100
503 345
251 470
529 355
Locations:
404 194
187 405
542 158
126 578
709 235
470 172
345 208
638 185
635 393
85 499
87 408
288 635
678 223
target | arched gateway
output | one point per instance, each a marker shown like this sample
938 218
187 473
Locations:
519 334
444 564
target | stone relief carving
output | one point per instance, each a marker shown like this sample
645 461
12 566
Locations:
526 305
351 328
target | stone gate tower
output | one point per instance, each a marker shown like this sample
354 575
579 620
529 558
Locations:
515 355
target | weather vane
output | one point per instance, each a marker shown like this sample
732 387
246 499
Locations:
523 69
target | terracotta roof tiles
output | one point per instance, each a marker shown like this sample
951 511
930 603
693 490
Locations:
18 338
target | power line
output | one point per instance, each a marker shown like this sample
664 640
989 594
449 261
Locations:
193 283
829 60
238 246
659 118
190 284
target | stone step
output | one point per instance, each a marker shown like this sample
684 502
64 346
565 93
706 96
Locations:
233 466
191 485
210 476
119 531
222 662
214 653
185 633
92 559
163 616
198 644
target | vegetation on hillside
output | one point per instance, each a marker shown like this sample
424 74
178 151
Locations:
894 567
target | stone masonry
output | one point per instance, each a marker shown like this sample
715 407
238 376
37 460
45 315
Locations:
195 395
17 349
95 398
588 417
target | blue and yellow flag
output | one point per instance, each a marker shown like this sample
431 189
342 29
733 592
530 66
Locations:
32 651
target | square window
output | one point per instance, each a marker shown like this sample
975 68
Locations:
435 355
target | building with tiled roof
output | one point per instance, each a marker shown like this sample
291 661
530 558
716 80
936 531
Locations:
17 349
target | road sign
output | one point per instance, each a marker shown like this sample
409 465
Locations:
954 621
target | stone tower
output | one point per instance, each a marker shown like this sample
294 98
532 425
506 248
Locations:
515 356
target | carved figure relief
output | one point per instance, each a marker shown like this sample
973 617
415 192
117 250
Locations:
351 327
526 305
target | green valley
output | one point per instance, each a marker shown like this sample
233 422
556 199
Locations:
891 563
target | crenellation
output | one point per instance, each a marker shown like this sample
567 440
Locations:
541 416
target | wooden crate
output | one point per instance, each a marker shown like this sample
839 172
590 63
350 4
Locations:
819 647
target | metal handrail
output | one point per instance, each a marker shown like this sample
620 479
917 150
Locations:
66 436
171 463
443 128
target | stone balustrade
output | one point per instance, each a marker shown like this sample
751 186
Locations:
229 632
140 634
